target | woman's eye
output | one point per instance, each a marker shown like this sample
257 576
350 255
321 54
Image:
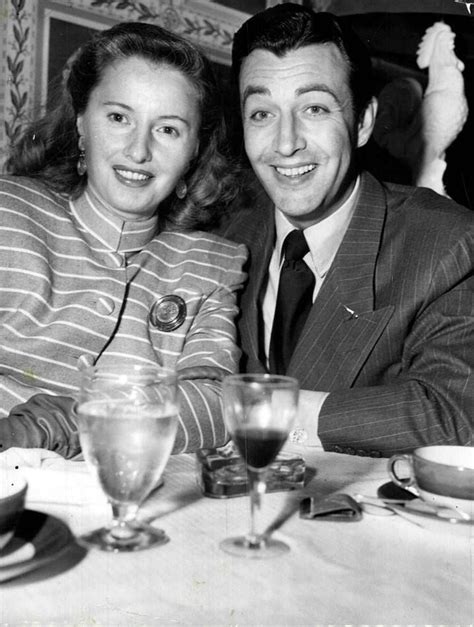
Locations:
169 130
117 117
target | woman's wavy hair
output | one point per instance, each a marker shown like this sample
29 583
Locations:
48 149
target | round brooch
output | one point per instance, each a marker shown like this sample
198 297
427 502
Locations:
168 313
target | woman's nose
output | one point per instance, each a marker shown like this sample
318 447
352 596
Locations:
138 147
290 137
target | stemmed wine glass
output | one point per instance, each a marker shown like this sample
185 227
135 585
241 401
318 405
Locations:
259 412
127 416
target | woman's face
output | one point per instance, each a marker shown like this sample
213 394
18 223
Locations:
140 129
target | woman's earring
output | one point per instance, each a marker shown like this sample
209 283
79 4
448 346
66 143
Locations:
181 189
81 162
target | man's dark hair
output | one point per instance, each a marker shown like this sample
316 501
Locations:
289 26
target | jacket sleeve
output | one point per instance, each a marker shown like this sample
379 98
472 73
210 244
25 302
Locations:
210 344
49 422
44 421
430 400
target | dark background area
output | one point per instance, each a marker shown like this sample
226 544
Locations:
393 38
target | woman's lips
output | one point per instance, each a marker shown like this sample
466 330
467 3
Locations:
132 177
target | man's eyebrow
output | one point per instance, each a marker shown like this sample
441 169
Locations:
318 87
252 90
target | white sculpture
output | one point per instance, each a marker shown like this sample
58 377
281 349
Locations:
444 106
417 127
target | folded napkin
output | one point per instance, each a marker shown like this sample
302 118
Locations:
341 507
20 458
51 478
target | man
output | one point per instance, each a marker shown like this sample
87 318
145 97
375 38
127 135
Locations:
385 355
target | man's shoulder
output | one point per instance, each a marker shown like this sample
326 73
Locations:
429 224
424 206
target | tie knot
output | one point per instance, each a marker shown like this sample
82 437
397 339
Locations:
295 245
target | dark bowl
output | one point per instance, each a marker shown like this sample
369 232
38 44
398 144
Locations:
11 506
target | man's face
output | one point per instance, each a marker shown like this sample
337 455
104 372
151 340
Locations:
300 130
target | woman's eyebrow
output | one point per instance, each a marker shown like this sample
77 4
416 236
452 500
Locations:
165 116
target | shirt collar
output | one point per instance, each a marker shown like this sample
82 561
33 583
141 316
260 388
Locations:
124 236
325 237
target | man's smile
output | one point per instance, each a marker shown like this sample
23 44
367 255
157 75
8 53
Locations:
294 172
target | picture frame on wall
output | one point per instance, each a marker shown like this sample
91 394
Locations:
61 32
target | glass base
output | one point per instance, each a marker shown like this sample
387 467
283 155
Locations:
121 540
241 547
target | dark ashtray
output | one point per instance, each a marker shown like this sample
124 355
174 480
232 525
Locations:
222 472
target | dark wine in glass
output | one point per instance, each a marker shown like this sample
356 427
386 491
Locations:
259 447
259 411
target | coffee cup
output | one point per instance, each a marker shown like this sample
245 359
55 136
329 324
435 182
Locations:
440 475
13 489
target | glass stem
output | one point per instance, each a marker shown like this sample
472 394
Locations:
123 514
257 489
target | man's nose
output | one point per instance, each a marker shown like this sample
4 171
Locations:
290 137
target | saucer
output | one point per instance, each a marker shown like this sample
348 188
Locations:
420 512
39 539
448 501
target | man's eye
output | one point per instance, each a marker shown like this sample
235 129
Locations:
316 110
259 116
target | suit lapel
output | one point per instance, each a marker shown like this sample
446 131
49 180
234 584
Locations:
343 324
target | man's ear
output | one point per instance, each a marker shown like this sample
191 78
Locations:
366 123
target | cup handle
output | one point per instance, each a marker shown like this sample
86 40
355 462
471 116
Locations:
403 482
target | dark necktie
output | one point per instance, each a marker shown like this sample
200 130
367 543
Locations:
294 300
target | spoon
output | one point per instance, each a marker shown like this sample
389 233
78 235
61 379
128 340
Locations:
382 507
416 505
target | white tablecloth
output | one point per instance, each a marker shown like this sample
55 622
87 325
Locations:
381 570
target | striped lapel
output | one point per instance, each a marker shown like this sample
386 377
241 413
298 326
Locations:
336 342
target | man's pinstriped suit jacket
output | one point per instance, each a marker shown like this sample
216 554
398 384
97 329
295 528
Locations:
399 371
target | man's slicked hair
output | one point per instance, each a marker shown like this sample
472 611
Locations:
289 26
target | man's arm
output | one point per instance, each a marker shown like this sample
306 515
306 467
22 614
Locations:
429 401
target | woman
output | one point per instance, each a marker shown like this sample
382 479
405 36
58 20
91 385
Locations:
103 254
